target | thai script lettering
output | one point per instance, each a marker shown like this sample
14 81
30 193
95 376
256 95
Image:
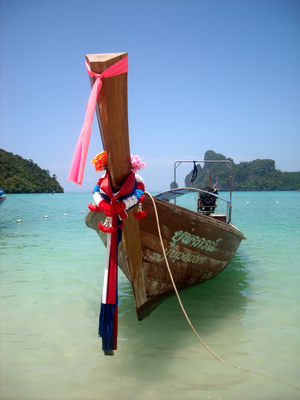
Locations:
181 256
194 241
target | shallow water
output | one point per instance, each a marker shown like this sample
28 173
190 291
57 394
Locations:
51 282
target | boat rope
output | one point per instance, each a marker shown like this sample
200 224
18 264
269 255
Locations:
34 204
187 318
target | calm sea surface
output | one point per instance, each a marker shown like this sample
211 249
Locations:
51 283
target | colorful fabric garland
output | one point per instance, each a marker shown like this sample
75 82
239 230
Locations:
114 206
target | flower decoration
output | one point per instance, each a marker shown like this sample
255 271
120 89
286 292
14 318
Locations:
136 164
100 161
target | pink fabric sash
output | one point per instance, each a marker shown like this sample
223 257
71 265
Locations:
79 158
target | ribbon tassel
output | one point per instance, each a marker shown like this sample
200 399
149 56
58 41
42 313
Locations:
108 319
114 206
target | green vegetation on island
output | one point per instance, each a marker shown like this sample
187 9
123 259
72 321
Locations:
257 175
18 175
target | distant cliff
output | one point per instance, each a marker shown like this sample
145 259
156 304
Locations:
18 175
257 175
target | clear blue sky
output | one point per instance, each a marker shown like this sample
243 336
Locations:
220 75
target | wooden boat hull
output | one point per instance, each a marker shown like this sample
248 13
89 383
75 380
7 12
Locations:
198 247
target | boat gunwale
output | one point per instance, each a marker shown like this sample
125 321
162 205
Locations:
206 219
190 190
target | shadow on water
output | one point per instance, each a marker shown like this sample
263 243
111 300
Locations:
215 308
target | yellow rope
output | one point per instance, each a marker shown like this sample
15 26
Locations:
187 318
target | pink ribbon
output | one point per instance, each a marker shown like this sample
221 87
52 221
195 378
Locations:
79 158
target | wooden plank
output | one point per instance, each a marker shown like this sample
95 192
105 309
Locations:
169 224
191 218
133 251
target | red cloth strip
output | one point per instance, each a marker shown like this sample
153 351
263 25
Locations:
113 265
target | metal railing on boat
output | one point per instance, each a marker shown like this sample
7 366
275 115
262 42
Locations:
172 194
228 163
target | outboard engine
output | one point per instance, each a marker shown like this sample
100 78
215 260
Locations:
207 202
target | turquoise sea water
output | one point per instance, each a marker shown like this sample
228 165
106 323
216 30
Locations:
51 283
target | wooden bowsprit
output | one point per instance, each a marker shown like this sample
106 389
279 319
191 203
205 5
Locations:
112 115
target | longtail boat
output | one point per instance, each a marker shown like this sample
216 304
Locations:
2 196
198 244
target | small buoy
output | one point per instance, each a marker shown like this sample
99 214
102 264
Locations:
19 220
247 202
277 201
65 214
46 216
83 211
